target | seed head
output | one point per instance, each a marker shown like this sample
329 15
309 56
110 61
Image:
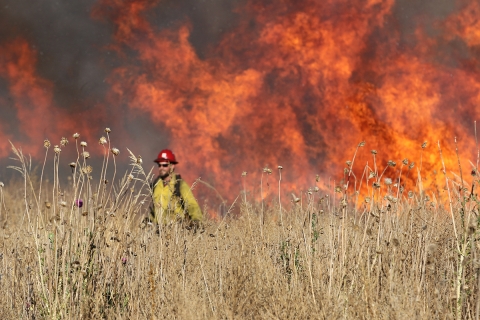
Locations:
346 170
102 140
410 194
1 184
63 141
424 144
48 205
343 202
317 178
83 144
87 169
372 175
361 144
107 130
374 152
412 164
349 163
316 189
115 151
391 163
388 181
376 185
73 164
244 173
367 199
139 160
57 149
63 203
46 143
76 135
338 189
280 167
86 154
405 161
130 177
295 199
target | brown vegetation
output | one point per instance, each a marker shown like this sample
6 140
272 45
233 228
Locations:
320 257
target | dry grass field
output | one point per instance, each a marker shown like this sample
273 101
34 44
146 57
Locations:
327 256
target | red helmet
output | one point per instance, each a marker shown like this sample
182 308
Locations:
166 155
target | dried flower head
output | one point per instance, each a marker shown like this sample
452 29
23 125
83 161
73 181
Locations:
343 202
279 167
388 181
130 177
46 143
102 140
338 189
424 144
63 203
361 144
349 163
73 164
57 149
87 169
115 151
295 199
76 135
412 164
63 141
391 163
1 184
139 160
367 199
474 172
244 173
372 175
405 161
376 185
48 205
83 144
107 130
374 152
410 194
86 154
316 189
317 178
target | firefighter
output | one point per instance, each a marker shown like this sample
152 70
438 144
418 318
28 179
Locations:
172 198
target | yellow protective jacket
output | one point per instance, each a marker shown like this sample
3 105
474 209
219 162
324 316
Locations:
168 207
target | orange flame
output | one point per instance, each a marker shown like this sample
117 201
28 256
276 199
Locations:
297 84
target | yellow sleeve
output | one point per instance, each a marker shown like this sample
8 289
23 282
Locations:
191 204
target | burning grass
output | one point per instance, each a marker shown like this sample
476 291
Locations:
397 255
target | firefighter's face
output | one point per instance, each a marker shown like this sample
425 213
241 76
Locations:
165 168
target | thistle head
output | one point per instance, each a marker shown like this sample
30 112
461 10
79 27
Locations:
115 151
63 141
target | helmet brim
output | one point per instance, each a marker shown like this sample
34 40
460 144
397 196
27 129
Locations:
158 160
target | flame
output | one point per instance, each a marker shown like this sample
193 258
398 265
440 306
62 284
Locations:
296 84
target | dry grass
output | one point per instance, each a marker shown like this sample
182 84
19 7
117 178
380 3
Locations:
395 259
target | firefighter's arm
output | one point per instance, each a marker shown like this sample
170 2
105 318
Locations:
192 205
